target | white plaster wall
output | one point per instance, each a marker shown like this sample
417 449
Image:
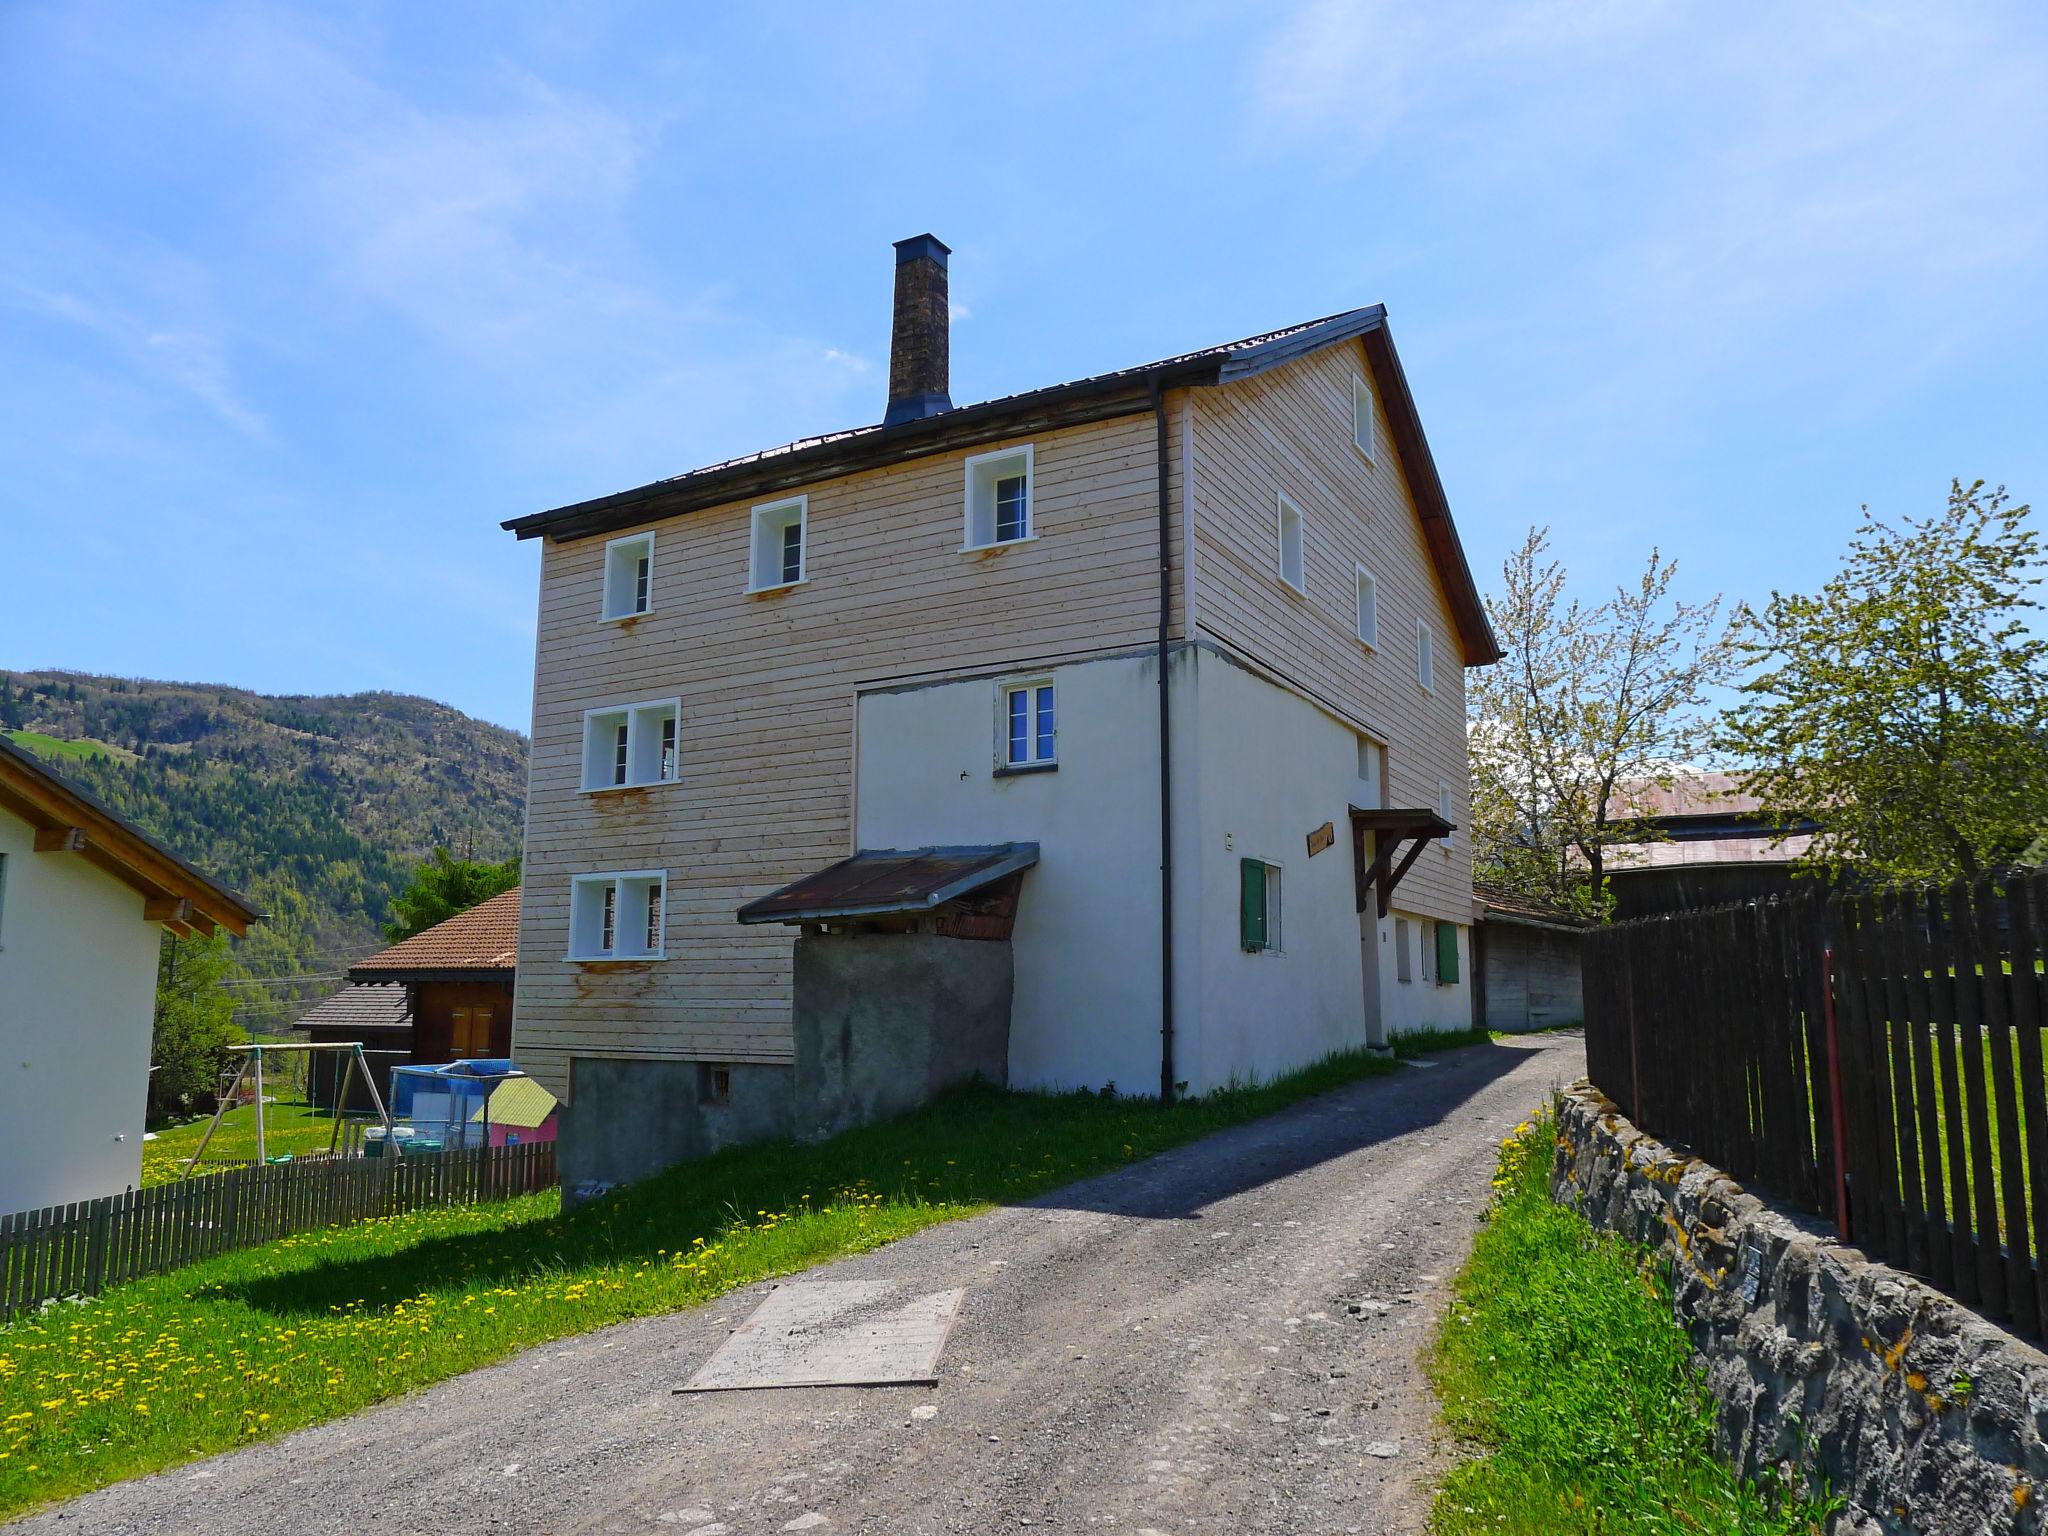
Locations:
1086 1009
1272 768
77 990
1256 769
1416 1003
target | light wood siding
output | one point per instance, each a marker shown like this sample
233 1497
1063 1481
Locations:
1289 431
768 686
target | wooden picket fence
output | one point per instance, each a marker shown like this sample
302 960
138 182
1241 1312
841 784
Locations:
1876 1058
80 1249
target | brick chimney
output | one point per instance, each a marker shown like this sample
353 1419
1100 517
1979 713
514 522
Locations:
919 351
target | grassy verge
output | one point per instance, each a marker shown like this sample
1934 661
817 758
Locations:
295 1128
312 1327
1420 1042
1560 1358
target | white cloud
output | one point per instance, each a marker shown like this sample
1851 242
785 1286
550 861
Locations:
190 360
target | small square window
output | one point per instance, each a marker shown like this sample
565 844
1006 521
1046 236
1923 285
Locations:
714 1084
1290 546
617 917
1027 726
777 553
1425 657
628 745
1368 608
999 498
629 576
1364 421
1258 908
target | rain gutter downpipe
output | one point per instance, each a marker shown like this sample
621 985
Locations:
1166 1079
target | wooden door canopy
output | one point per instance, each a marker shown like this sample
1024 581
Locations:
1391 828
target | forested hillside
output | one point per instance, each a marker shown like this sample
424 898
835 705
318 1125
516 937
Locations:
318 808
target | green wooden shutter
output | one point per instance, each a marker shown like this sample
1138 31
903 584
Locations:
1251 903
1446 954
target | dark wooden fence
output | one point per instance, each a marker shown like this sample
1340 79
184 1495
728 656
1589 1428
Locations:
77 1250
1873 1058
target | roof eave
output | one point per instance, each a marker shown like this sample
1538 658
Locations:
1062 405
117 847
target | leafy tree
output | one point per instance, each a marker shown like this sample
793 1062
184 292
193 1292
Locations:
1904 706
444 886
195 1023
1591 705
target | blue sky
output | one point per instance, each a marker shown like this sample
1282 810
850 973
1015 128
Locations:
297 303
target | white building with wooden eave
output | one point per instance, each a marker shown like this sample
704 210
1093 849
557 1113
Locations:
84 901
1195 631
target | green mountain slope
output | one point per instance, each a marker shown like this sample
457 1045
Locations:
317 807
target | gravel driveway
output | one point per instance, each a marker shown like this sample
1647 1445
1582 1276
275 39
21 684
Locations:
1222 1339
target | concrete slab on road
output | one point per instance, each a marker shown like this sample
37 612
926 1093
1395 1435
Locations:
1224 1338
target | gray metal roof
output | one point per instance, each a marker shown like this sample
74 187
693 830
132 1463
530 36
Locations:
1100 397
882 881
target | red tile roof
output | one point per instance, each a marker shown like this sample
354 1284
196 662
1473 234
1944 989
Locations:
485 938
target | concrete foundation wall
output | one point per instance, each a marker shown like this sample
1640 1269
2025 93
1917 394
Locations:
884 1021
1924 1417
627 1120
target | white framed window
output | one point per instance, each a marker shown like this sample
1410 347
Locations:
626 745
618 916
1446 807
1290 546
1428 940
998 497
1368 608
629 576
1027 725
781 530
1364 421
1425 657
1404 966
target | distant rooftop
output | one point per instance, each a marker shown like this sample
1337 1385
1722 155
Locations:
485 938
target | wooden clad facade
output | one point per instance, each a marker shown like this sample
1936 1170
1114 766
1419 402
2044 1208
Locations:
769 682
768 685
1289 432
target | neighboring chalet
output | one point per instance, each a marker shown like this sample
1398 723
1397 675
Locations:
457 981
1173 656
84 901
1715 846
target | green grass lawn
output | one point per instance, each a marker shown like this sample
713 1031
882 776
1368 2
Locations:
295 1128
57 746
312 1327
1560 1359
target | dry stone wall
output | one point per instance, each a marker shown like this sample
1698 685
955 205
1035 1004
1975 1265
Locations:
1920 1413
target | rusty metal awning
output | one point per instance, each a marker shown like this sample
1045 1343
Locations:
878 882
1391 828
